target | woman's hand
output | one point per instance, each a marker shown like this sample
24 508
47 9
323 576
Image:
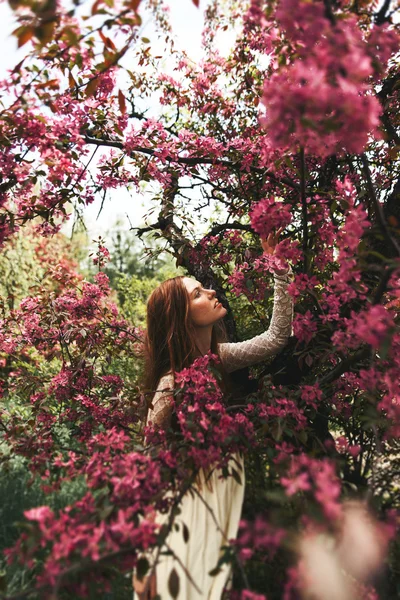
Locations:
144 589
269 245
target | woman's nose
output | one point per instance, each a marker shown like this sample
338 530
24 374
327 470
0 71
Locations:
212 293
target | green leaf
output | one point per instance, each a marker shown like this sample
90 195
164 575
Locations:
173 583
302 436
185 533
3 581
276 430
385 347
142 567
106 512
249 285
236 476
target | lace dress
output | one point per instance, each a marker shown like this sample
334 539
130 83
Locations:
212 513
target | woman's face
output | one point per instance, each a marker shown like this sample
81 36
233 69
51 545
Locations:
204 307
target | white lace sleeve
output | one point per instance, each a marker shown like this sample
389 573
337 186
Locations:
271 342
160 411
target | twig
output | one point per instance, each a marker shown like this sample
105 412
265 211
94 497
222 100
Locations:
188 575
234 225
214 518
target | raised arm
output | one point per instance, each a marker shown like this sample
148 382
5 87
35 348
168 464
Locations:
243 354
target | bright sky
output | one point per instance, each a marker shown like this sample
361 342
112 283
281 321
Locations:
187 23
186 20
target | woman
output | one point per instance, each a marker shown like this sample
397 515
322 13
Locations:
181 324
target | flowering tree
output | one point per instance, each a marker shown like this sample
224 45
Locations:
298 127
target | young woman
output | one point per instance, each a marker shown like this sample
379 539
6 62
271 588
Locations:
181 325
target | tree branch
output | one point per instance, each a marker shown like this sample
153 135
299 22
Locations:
190 160
381 17
344 366
225 226
304 208
378 208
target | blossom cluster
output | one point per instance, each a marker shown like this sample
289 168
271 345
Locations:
212 432
269 215
81 529
322 100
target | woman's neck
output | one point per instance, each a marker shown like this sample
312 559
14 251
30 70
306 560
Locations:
203 339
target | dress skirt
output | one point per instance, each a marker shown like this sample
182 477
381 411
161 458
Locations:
212 517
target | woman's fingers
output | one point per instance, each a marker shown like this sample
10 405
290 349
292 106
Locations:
272 239
274 235
268 244
145 589
140 587
153 586
277 234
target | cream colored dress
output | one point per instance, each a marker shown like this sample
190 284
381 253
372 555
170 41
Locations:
212 512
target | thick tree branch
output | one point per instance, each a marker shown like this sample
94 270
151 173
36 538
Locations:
190 160
8 185
216 229
344 366
388 86
378 211
304 208
390 130
329 14
382 16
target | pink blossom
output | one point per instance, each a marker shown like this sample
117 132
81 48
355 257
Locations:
304 326
321 101
40 514
354 450
300 483
311 394
248 595
370 326
268 215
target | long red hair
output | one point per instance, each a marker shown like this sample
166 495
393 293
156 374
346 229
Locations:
170 343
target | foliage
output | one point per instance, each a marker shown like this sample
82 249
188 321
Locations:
134 269
128 256
298 127
25 261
